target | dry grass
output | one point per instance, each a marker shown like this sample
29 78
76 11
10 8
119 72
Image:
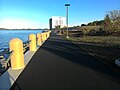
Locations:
90 27
101 40
105 48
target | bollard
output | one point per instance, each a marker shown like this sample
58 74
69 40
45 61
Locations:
39 39
49 34
17 56
42 37
32 45
46 36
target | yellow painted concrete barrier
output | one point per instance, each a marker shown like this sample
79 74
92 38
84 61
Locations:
17 57
32 45
45 36
48 34
42 37
39 39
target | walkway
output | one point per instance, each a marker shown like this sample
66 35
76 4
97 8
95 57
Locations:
61 65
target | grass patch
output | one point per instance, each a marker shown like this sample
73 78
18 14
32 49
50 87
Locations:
102 40
105 48
90 27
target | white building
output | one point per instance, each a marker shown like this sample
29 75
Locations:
57 21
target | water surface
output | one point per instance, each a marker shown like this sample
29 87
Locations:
7 35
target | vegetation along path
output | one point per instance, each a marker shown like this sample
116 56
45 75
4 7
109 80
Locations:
61 65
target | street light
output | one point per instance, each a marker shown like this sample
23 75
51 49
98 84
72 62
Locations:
67 5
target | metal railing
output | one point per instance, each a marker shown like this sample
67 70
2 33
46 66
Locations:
26 45
7 61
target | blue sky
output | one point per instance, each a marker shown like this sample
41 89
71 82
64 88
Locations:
36 13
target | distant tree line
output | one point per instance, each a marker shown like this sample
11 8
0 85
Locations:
109 26
95 23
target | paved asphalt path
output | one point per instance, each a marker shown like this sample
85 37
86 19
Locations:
61 65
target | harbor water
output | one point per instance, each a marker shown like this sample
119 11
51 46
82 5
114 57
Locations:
7 35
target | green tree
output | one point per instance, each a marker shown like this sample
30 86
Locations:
83 25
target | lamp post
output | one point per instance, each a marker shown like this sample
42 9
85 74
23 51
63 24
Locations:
67 5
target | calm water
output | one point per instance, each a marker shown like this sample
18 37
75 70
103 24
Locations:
7 35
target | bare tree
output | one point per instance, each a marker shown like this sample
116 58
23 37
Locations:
115 18
107 24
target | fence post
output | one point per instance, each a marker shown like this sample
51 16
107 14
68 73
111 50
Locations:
17 57
32 45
